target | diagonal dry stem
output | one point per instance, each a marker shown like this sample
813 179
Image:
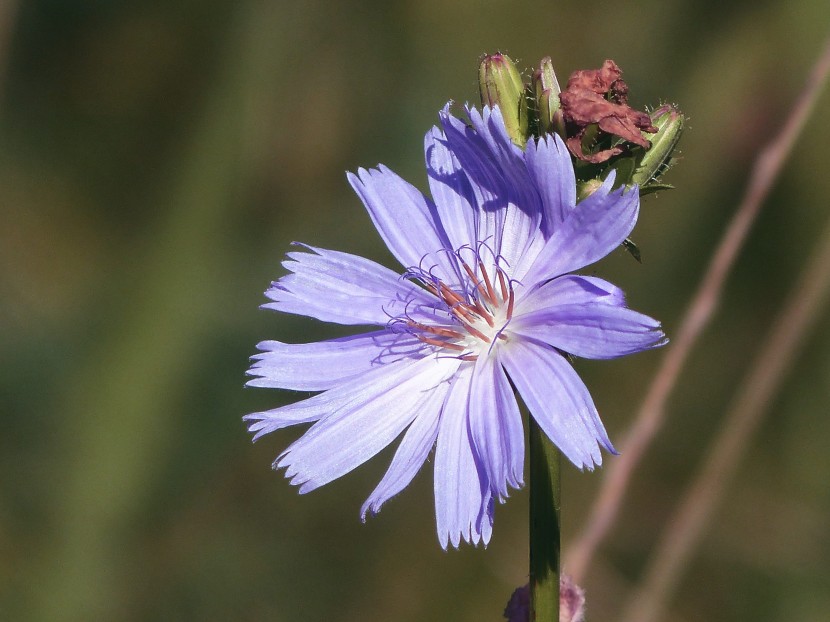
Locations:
650 417
692 514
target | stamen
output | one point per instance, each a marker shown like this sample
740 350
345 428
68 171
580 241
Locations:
490 291
436 330
456 303
474 331
463 312
502 284
477 301
448 295
483 312
470 272
441 344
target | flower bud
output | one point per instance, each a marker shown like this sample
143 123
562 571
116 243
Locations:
571 600
546 92
584 189
500 84
669 123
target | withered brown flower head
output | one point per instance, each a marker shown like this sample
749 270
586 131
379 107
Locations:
600 96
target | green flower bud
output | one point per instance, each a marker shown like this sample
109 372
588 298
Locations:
500 83
656 160
584 189
546 92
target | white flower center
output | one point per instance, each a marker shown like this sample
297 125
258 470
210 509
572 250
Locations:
478 316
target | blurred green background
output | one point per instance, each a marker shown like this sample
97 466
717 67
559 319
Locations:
157 158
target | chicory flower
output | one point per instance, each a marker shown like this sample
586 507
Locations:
486 307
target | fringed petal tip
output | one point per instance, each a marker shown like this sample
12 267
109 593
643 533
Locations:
456 539
586 460
371 507
259 382
474 532
258 424
653 335
473 536
302 481
594 461
368 510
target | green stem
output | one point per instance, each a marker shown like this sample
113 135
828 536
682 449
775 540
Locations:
545 498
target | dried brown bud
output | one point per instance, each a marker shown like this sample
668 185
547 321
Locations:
600 96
